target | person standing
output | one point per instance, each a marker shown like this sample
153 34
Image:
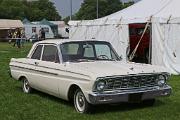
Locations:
10 35
18 37
23 37
34 37
40 34
43 34
15 37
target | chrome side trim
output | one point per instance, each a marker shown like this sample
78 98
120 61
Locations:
34 70
54 69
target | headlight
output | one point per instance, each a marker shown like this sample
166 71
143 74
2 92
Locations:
161 80
100 85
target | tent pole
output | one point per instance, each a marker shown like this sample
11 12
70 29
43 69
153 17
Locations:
97 9
70 9
150 46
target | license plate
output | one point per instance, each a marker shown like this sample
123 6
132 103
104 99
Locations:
136 97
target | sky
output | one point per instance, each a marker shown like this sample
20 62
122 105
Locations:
63 6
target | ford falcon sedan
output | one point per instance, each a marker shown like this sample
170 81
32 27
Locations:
88 73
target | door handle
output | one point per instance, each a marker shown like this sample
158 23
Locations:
36 63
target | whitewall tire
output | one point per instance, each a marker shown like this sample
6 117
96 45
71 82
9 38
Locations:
25 86
80 103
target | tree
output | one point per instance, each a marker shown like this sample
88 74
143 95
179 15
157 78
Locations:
106 7
34 10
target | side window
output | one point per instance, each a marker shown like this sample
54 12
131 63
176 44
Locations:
88 51
70 49
50 53
37 53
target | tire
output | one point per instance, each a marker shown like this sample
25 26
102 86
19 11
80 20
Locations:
149 102
80 103
25 86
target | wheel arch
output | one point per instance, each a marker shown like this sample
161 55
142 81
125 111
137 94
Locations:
72 90
21 78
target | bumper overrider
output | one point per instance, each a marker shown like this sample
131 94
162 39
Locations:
129 96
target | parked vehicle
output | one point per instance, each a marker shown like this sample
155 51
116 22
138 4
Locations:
88 73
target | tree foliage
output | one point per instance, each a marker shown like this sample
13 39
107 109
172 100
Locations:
106 7
34 10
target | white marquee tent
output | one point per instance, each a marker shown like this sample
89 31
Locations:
164 16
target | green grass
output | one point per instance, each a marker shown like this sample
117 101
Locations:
15 105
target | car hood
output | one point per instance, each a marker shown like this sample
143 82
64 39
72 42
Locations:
113 68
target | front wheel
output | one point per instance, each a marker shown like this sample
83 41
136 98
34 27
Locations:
80 103
25 86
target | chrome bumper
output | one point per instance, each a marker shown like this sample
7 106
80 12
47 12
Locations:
129 96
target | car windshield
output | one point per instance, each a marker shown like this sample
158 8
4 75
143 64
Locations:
85 51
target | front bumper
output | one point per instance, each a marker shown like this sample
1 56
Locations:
129 96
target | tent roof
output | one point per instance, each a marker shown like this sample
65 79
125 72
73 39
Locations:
9 24
46 22
145 9
142 11
26 21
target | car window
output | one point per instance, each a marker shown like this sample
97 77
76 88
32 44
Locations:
50 53
70 49
37 53
103 50
88 51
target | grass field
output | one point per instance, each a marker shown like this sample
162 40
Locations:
15 105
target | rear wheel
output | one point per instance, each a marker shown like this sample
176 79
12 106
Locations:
80 103
25 86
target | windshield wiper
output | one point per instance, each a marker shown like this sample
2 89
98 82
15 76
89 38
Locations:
81 60
107 59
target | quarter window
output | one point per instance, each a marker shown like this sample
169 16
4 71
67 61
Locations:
50 53
37 53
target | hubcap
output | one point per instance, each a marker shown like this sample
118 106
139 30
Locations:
26 86
80 101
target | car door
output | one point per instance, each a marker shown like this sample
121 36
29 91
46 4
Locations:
33 61
47 69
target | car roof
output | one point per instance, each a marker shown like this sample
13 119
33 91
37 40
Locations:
60 41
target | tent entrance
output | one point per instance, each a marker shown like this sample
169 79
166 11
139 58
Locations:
135 33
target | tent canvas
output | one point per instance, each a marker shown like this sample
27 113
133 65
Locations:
53 26
10 24
164 18
29 27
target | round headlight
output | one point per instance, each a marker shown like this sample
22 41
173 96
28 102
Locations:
100 85
161 81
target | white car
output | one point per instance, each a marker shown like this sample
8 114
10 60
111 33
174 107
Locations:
88 73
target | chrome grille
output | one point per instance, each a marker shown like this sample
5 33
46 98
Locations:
130 82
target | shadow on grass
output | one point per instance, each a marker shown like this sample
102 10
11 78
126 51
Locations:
99 109
47 96
125 107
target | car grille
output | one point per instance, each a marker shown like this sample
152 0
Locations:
130 82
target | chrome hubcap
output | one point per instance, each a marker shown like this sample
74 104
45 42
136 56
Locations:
80 101
26 86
